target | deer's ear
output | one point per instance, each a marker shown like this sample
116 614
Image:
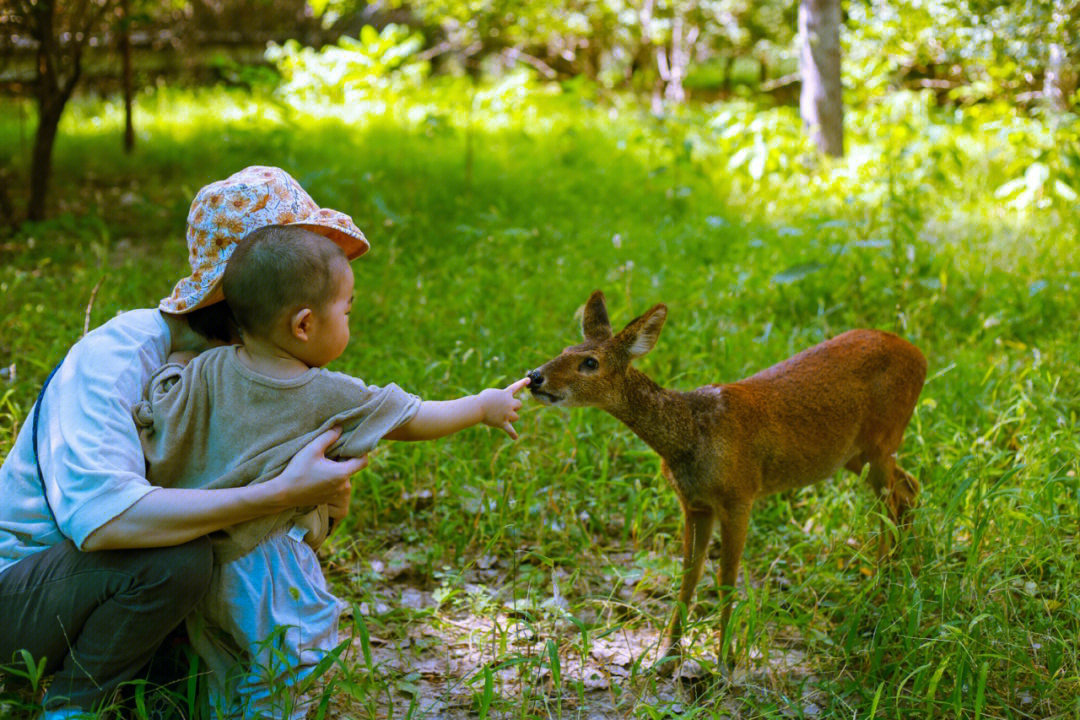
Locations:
641 334
594 322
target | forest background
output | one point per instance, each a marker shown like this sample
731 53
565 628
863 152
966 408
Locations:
776 172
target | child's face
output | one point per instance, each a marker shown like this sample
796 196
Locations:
330 333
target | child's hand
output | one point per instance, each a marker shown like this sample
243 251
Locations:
500 406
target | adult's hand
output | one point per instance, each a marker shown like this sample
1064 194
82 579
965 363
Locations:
311 478
172 516
339 508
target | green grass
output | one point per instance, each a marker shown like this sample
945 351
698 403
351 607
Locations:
533 557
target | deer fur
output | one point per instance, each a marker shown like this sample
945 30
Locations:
843 403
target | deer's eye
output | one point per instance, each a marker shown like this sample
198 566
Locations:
589 364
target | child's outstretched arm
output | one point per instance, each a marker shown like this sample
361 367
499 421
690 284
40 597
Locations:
438 418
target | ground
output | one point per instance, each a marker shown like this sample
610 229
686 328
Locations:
537 660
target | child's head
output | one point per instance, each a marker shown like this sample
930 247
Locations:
223 212
293 288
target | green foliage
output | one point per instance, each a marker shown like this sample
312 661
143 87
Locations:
350 70
760 248
971 50
965 50
613 42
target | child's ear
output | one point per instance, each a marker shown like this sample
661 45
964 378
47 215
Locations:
300 324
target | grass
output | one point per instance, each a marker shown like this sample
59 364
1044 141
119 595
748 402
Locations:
501 579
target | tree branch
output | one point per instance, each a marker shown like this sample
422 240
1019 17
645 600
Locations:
517 54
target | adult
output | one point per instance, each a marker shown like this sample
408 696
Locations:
97 566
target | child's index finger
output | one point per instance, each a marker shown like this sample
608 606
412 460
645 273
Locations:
515 388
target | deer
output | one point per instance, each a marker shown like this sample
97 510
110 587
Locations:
843 403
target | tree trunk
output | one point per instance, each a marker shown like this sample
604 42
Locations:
7 209
674 67
1059 83
59 66
125 54
649 47
821 103
49 113
50 106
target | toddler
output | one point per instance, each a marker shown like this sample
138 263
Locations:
235 415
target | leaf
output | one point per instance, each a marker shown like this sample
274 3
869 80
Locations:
829 224
553 659
1007 189
796 273
739 158
1064 191
1036 175
365 639
378 201
757 165
487 694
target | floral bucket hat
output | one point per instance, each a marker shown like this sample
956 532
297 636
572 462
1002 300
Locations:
226 211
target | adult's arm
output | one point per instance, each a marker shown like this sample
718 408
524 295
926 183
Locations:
171 516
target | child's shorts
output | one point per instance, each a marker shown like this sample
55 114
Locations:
267 620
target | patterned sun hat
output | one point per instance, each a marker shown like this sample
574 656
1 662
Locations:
225 211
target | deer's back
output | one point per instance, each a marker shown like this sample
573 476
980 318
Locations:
877 362
804 418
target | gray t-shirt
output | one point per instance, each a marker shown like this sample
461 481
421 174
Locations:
216 423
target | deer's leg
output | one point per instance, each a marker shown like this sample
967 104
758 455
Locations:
733 527
696 536
897 490
905 491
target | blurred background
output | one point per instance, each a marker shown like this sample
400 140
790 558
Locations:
1014 57
775 171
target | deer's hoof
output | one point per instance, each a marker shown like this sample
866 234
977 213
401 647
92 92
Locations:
667 662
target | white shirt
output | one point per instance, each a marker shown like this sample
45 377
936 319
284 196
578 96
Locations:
88 444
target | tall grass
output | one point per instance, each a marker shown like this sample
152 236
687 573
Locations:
760 249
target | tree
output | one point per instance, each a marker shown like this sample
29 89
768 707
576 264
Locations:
1060 81
61 30
124 27
7 211
821 103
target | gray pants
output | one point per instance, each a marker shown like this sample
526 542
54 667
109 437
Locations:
97 617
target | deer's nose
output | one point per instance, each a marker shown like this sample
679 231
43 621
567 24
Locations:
535 379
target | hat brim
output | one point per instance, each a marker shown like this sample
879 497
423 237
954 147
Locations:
213 295
354 245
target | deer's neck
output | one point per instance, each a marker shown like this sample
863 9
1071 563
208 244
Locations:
660 417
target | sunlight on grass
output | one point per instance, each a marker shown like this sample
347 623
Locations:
490 574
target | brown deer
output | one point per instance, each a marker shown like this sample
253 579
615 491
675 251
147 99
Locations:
842 403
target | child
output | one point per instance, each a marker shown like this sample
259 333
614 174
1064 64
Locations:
235 415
